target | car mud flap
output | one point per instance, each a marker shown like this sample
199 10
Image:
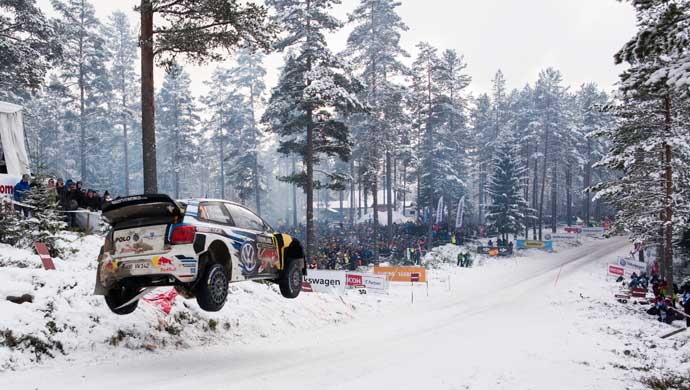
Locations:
136 298
99 289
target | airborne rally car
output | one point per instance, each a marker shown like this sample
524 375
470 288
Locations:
198 246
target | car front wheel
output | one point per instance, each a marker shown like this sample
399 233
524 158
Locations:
290 281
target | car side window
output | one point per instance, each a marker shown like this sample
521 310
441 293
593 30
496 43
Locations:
245 219
214 212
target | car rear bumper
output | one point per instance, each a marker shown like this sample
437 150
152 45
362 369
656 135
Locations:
177 265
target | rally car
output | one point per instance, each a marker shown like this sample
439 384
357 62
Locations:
197 245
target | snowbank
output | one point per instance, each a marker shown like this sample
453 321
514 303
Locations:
449 254
64 319
398 218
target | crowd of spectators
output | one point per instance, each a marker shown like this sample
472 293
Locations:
340 246
69 196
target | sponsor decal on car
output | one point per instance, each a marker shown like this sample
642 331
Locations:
163 263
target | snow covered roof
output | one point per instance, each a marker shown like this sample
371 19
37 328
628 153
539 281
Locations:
9 108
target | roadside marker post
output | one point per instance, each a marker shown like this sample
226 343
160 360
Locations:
414 277
43 252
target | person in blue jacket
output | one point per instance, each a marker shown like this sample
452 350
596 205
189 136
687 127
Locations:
20 191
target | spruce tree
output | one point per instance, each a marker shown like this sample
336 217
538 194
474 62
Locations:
314 90
45 221
509 211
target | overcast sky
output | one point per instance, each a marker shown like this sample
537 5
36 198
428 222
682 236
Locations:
520 37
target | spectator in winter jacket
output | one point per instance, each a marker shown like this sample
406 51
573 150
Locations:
71 204
81 196
21 189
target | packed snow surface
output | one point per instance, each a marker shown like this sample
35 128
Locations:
536 321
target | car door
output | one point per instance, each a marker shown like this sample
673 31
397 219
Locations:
258 254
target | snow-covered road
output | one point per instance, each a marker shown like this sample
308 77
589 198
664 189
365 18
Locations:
503 328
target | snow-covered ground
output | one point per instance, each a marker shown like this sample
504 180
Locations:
537 321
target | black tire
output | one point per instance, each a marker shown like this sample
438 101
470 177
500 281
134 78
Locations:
118 296
212 290
290 281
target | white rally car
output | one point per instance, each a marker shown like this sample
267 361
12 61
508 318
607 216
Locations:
198 246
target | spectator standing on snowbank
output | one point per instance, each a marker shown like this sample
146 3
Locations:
20 191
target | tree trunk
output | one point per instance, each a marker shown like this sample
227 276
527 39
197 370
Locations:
125 143
352 191
176 162
535 194
569 195
148 129
543 186
588 182
668 180
82 97
554 196
222 155
294 194
389 195
310 185
255 168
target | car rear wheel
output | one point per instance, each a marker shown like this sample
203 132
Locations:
212 290
290 281
116 297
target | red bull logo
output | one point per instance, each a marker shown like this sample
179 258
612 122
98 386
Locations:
165 264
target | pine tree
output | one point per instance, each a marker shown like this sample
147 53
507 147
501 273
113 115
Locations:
83 66
29 47
177 126
509 211
374 48
121 42
248 78
654 90
202 31
549 106
314 87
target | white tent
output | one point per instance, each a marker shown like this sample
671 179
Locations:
12 139
13 154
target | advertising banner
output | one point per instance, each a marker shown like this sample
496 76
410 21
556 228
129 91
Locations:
7 183
326 281
401 274
461 212
593 231
373 283
561 236
527 244
626 266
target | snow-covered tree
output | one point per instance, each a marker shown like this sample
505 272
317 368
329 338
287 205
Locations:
509 211
122 43
83 70
374 49
314 89
45 221
650 143
248 79
29 45
177 127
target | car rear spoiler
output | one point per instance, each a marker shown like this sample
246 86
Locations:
142 210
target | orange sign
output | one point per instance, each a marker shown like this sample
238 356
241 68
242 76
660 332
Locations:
401 274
